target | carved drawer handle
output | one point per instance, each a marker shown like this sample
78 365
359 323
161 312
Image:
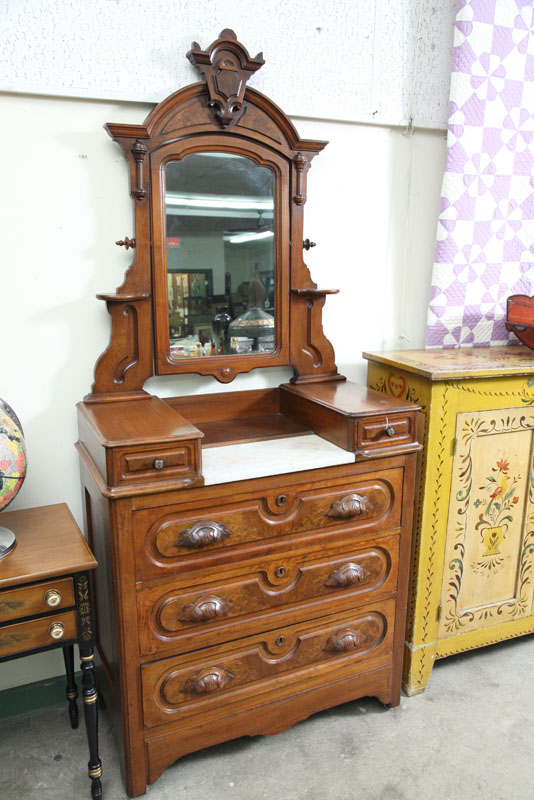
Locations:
202 533
206 607
352 505
348 574
344 640
208 679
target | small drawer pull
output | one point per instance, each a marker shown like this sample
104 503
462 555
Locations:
56 630
159 463
209 679
349 574
390 431
344 640
202 534
351 505
204 608
52 598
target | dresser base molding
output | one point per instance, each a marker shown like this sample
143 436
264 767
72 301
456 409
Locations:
275 716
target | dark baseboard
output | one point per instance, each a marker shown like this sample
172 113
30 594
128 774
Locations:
34 696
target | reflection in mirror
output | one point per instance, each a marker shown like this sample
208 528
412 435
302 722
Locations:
220 255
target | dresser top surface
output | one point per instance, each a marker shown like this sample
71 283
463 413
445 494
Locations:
237 462
49 544
456 363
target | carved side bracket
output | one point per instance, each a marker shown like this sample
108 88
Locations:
226 66
139 151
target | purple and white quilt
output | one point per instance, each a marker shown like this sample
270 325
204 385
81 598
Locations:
485 237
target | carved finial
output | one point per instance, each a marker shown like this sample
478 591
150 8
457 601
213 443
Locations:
226 67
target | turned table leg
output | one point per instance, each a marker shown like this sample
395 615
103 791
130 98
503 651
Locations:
90 710
72 689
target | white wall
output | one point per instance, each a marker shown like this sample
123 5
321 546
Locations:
372 209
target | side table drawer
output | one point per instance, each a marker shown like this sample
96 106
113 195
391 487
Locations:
39 598
22 636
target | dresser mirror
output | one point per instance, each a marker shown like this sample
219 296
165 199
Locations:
220 252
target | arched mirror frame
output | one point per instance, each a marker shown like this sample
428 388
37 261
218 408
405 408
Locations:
218 113
234 145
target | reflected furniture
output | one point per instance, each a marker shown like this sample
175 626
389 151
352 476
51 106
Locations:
253 546
45 603
474 522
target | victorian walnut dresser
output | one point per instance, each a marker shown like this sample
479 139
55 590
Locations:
253 546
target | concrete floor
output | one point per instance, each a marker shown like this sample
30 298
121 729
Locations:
470 735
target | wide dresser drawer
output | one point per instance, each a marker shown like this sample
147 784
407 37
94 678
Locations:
280 662
22 636
200 534
263 593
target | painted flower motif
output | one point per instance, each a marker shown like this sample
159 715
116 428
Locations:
477 503
507 220
479 174
487 76
503 465
518 129
515 499
523 31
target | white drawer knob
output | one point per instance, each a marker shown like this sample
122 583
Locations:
52 598
56 630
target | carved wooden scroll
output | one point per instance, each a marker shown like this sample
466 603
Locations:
205 608
347 575
226 66
207 680
352 505
344 640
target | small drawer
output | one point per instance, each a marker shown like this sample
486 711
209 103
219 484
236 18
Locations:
386 432
35 633
201 534
154 463
36 599
273 663
263 593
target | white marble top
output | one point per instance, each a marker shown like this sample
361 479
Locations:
237 462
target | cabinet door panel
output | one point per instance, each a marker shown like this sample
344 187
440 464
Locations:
489 548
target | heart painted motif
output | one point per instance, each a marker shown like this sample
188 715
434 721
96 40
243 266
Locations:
396 384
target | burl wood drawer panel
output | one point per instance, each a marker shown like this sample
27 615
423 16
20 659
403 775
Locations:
264 593
392 430
37 599
156 462
23 636
209 681
187 534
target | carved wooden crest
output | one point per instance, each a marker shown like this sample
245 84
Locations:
226 67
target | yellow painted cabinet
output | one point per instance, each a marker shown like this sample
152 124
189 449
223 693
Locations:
473 564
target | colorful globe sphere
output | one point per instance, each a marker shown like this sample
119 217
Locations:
12 454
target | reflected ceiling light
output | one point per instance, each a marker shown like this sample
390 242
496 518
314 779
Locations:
230 203
250 237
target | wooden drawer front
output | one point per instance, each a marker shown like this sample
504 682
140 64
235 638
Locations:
37 599
24 636
390 431
178 537
273 591
244 671
155 463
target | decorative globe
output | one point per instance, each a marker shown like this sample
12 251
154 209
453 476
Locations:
12 467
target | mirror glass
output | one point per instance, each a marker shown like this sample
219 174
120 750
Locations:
220 256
